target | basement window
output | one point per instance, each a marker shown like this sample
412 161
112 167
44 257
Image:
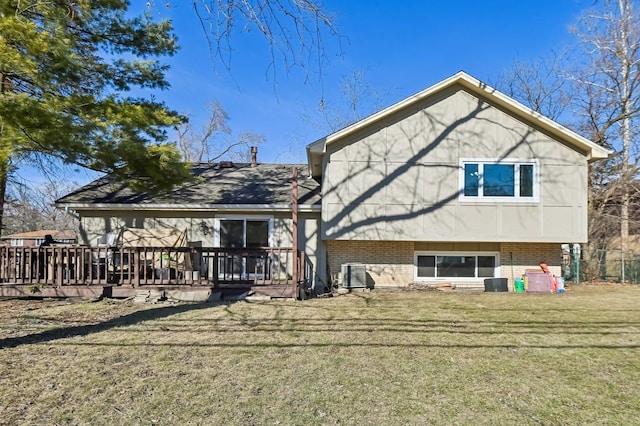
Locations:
456 265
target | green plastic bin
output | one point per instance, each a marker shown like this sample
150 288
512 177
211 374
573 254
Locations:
518 285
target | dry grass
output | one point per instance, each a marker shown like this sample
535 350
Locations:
417 357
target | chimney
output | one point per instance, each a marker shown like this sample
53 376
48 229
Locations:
254 156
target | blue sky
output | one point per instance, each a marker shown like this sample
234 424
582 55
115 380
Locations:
404 46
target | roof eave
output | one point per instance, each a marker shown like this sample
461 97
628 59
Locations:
190 207
315 151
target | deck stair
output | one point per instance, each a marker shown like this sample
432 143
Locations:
148 296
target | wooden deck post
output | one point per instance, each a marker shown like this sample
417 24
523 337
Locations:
137 271
55 256
294 217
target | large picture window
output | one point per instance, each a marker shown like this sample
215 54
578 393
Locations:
463 266
499 180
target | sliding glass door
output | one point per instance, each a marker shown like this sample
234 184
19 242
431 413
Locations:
237 233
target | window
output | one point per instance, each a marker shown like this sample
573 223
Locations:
460 266
232 233
17 242
243 232
499 180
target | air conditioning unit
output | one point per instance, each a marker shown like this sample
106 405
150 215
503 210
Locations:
354 275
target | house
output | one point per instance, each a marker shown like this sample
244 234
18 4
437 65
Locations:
227 205
36 238
457 183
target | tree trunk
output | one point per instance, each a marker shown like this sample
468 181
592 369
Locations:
624 43
4 177
4 163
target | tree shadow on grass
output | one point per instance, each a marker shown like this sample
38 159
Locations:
121 321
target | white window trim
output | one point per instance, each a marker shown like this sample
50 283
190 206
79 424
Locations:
216 227
515 199
496 270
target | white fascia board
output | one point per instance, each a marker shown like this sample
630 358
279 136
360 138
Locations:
317 146
315 151
190 207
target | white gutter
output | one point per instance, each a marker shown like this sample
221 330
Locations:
191 207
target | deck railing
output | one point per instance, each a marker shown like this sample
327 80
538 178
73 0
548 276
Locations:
135 266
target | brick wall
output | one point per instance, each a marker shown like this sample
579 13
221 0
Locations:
517 257
388 263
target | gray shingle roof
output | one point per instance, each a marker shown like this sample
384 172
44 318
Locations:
214 184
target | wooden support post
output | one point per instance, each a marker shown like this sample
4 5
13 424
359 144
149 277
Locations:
294 217
56 260
138 267
216 273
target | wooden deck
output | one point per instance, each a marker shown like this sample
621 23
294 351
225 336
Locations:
72 270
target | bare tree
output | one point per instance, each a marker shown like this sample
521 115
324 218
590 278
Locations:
607 80
359 97
30 208
196 143
243 144
595 89
214 140
539 84
293 29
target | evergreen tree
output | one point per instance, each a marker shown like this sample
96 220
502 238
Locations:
67 69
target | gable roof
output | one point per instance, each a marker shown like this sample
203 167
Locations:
473 86
216 186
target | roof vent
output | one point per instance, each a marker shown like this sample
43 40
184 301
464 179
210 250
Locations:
226 164
254 156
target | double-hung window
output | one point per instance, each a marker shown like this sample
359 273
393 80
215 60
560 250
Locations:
499 180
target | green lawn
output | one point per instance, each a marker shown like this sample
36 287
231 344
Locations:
379 358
